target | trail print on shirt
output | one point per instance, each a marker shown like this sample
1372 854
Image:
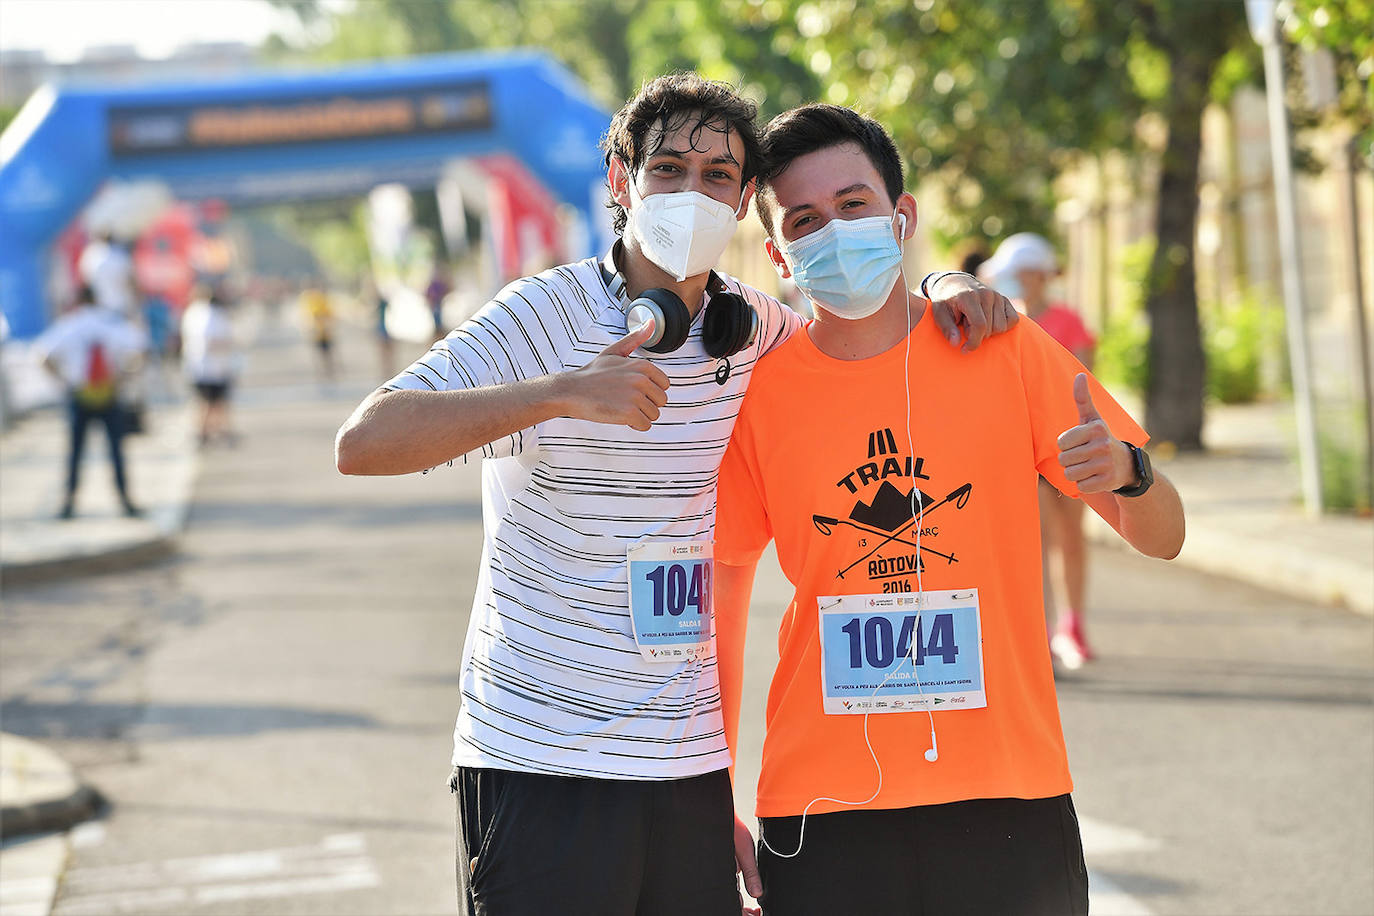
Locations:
888 546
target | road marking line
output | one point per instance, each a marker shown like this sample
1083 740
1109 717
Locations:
25 890
87 835
1105 897
338 863
1101 838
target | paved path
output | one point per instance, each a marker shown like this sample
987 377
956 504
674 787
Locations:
1244 522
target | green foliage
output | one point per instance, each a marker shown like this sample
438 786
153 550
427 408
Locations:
1240 336
1123 351
1345 469
752 45
949 78
1243 65
1346 29
7 114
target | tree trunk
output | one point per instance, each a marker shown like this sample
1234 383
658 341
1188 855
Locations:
1178 369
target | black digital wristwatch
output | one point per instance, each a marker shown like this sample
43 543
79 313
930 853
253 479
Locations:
1144 475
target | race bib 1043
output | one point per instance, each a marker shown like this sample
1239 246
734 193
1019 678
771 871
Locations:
670 599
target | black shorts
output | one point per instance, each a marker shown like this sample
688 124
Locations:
212 392
531 845
985 857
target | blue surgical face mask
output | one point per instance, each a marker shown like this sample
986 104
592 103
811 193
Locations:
848 266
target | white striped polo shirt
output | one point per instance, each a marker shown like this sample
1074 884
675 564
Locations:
552 681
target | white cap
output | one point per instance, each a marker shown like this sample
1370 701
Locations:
1022 251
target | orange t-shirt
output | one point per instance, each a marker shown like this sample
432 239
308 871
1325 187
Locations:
819 461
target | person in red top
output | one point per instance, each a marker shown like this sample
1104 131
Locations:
1023 265
913 758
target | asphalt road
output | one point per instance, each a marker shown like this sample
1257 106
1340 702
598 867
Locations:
269 712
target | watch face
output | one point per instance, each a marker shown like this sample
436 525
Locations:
1142 465
1144 476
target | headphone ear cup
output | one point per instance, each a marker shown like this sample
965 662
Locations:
729 324
671 319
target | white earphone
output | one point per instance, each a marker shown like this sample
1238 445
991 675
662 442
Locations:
918 508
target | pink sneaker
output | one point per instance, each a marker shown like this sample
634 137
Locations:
1068 644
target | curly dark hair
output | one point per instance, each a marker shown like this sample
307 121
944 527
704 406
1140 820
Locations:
663 106
804 130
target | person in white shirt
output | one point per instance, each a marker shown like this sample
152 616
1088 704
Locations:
106 267
93 351
209 355
591 768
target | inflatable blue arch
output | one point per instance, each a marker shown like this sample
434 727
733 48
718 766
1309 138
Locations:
285 135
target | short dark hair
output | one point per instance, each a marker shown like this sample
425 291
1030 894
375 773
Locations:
970 262
818 126
665 104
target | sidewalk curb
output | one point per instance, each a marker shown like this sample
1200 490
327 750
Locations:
60 800
166 524
53 815
114 559
1263 564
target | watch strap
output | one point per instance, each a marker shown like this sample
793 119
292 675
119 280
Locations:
938 275
1144 477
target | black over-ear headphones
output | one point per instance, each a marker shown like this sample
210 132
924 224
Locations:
728 326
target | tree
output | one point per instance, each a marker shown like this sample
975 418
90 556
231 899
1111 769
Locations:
994 98
1193 38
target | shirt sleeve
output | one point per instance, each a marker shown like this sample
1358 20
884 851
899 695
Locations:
1048 371
53 338
504 342
777 322
743 528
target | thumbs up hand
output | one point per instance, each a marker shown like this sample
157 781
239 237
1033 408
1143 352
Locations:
616 387
1092 457
631 341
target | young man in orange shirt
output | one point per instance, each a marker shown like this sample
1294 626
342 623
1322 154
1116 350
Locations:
914 760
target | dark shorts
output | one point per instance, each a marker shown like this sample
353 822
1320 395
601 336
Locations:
530 845
989 857
213 392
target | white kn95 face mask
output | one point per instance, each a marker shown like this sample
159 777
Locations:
683 232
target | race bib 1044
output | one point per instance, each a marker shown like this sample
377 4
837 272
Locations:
869 642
